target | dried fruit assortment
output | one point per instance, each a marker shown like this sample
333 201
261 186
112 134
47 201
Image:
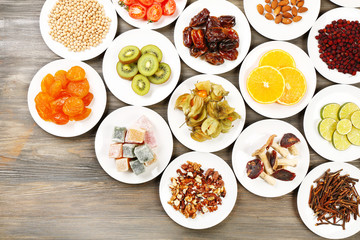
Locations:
282 11
340 124
149 10
276 79
269 166
217 42
142 67
339 46
194 191
134 148
206 111
64 96
334 199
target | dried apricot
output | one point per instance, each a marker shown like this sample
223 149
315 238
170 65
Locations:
42 98
46 82
86 112
79 88
88 98
73 106
55 88
60 118
57 105
75 73
61 75
44 111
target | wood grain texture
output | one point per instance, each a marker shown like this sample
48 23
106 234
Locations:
54 188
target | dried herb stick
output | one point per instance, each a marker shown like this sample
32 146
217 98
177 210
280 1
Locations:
334 199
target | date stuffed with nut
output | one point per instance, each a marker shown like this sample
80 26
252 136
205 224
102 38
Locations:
194 191
212 38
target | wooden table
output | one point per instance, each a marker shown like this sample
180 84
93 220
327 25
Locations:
54 188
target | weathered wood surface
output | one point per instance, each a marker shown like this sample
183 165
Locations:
54 188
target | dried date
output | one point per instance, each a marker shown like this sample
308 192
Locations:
216 34
212 22
227 21
228 44
198 38
214 58
187 37
230 55
200 18
196 52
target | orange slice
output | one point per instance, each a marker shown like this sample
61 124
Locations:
295 86
277 58
265 84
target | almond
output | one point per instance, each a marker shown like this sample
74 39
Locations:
293 2
268 8
297 18
285 8
277 11
300 4
274 4
260 9
278 19
302 9
283 2
287 15
294 11
269 16
267 1
286 21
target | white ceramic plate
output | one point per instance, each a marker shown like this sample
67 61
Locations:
182 132
307 214
126 117
207 160
143 24
303 63
61 50
216 8
333 75
72 128
281 31
347 3
334 94
121 88
253 138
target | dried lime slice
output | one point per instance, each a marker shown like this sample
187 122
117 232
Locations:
330 110
327 128
340 142
347 109
354 136
355 119
344 126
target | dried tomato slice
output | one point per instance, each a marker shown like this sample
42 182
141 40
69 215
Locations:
60 118
73 106
75 73
79 88
88 98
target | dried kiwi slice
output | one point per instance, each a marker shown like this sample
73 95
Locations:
140 84
129 54
127 71
161 75
148 64
153 50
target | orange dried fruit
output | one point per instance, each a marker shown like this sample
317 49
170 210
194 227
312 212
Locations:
42 98
265 84
75 73
88 98
277 58
55 88
295 86
60 118
85 113
57 105
61 75
73 106
46 82
79 88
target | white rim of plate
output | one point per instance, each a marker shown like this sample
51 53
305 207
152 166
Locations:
266 128
72 128
207 160
347 3
216 9
121 88
61 50
108 164
307 214
303 63
333 75
280 31
183 134
322 147
143 24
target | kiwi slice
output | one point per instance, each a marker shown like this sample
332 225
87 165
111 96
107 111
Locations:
153 50
161 75
127 71
148 64
140 84
129 54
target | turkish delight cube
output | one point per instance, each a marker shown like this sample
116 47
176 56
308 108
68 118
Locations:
144 123
137 167
144 153
115 150
119 134
122 164
135 135
151 161
128 150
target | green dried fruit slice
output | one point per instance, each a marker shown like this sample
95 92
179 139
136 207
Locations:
327 128
355 119
354 136
344 126
347 109
330 110
340 142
